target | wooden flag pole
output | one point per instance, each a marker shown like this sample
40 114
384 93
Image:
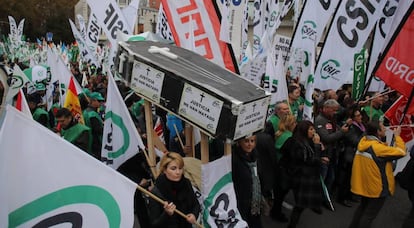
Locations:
156 198
150 144
188 132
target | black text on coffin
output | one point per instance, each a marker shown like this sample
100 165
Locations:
219 102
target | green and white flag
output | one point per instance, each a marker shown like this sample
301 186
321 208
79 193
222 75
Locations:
220 204
47 181
359 74
19 80
120 139
350 29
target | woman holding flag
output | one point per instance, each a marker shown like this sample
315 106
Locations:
178 193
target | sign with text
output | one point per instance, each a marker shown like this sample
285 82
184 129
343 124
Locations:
200 107
251 117
147 81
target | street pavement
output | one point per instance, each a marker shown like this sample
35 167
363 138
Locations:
392 215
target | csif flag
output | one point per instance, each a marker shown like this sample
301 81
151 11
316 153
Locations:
48 182
350 29
220 204
120 139
397 67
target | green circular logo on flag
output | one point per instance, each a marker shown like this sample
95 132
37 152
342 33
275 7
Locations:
308 30
83 194
330 69
117 121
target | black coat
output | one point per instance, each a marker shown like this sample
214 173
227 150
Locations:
242 180
181 194
266 161
302 161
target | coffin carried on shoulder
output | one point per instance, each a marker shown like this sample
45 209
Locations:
219 102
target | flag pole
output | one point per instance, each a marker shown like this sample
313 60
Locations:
159 200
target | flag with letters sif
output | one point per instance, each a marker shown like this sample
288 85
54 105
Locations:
48 182
220 204
120 139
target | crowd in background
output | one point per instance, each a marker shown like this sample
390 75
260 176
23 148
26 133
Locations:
331 159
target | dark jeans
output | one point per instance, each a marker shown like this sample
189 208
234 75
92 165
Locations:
367 212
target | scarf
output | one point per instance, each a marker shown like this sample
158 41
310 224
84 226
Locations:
256 191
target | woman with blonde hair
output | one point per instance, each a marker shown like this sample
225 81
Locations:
286 126
176 190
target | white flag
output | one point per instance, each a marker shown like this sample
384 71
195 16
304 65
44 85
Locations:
92 37
47 181
225 22
20 29
393 13
110 19
13 26
130 13
351 27
86 53
258 25
82 26
315 16
120 139
220 204
21 104
19 80
309 87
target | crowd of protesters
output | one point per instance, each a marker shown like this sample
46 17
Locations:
340 156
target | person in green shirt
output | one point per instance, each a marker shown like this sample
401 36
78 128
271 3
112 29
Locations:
94 121
286 126
295 101
74 132
373 111
272 124
38 112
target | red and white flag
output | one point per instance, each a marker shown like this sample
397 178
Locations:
202 15
21 104
397 67
395 113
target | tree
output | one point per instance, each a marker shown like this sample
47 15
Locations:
41 16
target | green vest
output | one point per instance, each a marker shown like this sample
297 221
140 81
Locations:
279 143
373 113
74 132
38 113
275 122
88 114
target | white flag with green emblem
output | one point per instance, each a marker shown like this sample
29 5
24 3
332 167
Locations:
220 204
120 139
48 182
309 67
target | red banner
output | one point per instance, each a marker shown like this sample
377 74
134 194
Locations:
394 115
199 18
397 68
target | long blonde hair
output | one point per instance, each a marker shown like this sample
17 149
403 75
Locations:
169 157
286 123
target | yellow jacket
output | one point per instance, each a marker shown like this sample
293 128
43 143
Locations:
372 174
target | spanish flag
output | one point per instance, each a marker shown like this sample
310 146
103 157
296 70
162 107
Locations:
72 102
